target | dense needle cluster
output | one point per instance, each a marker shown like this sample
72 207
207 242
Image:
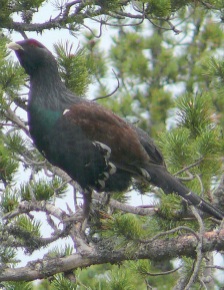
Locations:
98 149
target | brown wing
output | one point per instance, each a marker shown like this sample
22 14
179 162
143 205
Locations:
99 124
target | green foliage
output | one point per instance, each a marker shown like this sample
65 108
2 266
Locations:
7 255
125 229
159 8
9 201
130 60
195 112
61 283
215 68
177 148
60 251
141 267
109 5
187 269
25 8
99 69
148 271
144 66
43 189
11 74
212 34
76 69
27 4
119 279
196 140
15 142
3 52
93 277
159 103
214 74
169 206
5 12
18 285
8 165
28 225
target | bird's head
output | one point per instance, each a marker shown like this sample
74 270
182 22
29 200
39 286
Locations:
32 55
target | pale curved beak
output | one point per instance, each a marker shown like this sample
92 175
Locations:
14 46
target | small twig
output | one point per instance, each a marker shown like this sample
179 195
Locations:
189 166
203 284
114 91
126 207
51 222
75 198
177 31
120 25
189 178
171 232
47 172
201 184
163 273
215 267
96 36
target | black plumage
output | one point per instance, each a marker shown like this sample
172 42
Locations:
95 147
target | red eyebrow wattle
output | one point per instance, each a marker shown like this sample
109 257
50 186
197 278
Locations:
35 43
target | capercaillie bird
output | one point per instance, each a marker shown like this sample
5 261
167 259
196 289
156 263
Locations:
95 147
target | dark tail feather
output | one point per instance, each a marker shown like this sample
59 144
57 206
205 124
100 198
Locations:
163 179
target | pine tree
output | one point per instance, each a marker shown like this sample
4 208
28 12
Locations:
167 77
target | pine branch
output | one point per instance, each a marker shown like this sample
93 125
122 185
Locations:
9 114
73 14
157 250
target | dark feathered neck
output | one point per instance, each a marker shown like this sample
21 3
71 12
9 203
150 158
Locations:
48 91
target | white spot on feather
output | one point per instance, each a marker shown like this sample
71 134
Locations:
145 173
188 194
104 147
106 175
101 183
113 168
66 111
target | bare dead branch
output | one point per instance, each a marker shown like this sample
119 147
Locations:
9 114
197 264
26 207
125 207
